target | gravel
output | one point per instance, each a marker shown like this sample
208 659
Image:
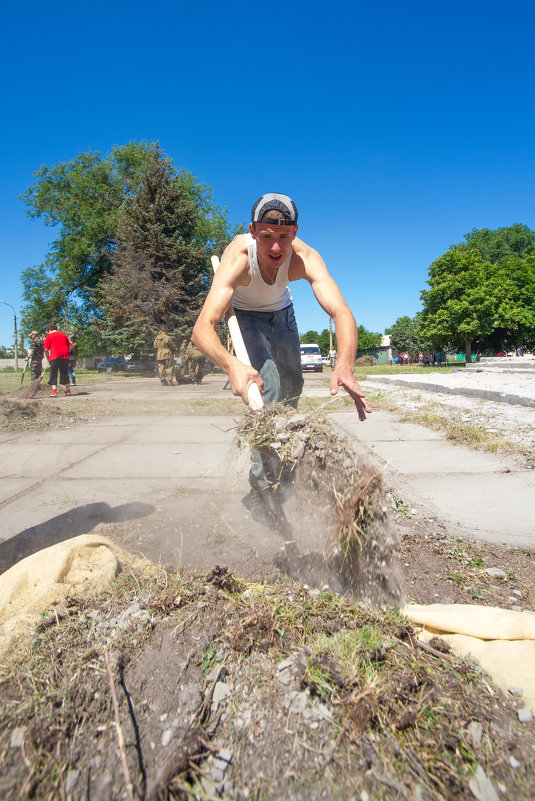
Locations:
514 421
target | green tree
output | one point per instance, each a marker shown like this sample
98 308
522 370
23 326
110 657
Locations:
161 270
368 339
324 341
406 334
512 286
81 200
497 246
478 303
308 337
457 309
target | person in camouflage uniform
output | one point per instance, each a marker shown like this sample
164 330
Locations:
184 358
194 363
35 355
165 356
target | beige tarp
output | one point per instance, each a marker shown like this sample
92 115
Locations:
78 567
502 641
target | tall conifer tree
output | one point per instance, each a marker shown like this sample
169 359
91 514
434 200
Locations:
160 267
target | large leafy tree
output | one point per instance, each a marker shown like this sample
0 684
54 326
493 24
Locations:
512 286
80 199
309 337
368 339
499 245
457 309
323 339
161 270
473 302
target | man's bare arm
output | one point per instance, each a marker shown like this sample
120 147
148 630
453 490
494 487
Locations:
232 272
311 266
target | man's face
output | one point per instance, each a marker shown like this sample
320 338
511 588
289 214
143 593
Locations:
273 242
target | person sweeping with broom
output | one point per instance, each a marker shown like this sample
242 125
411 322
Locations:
35 356
253 276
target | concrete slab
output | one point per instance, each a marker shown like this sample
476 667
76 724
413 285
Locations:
380 427
500 387
12 486
489 507
436 457
156 460
171 485
180 493
29 461
474 493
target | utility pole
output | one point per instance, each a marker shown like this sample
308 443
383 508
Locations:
15 316
330 334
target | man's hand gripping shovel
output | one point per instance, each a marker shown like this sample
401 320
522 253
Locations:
272 501
253 393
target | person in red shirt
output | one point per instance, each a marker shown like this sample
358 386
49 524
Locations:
56 346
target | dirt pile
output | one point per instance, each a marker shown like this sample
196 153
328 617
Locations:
337 511
17 414
171 686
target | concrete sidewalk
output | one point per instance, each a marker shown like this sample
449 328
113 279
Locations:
477 495
172 486
515 387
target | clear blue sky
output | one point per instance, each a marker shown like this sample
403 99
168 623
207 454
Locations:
396 127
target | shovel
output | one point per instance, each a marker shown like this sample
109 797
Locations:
253 392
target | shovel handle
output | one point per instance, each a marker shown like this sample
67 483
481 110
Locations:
253 392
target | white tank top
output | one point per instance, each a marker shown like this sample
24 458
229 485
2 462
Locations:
259 296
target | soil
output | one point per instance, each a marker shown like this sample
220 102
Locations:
180 685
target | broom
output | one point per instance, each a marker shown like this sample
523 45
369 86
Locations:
23 372
31 390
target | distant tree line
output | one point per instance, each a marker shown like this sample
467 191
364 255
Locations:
367 339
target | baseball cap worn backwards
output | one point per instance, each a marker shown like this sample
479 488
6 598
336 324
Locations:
274 201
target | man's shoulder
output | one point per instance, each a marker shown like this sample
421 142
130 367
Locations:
305 261
238 246
235 260
303 249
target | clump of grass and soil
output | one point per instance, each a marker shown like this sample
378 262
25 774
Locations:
187 686
357 546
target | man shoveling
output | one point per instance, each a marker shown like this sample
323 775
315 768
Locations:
253 277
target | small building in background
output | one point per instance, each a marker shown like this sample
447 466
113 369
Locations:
382 354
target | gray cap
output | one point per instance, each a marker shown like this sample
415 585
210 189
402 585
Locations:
274 200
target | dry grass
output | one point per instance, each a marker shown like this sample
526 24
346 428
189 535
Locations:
430 416
398 716
360 554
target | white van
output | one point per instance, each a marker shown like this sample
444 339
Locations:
311 358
